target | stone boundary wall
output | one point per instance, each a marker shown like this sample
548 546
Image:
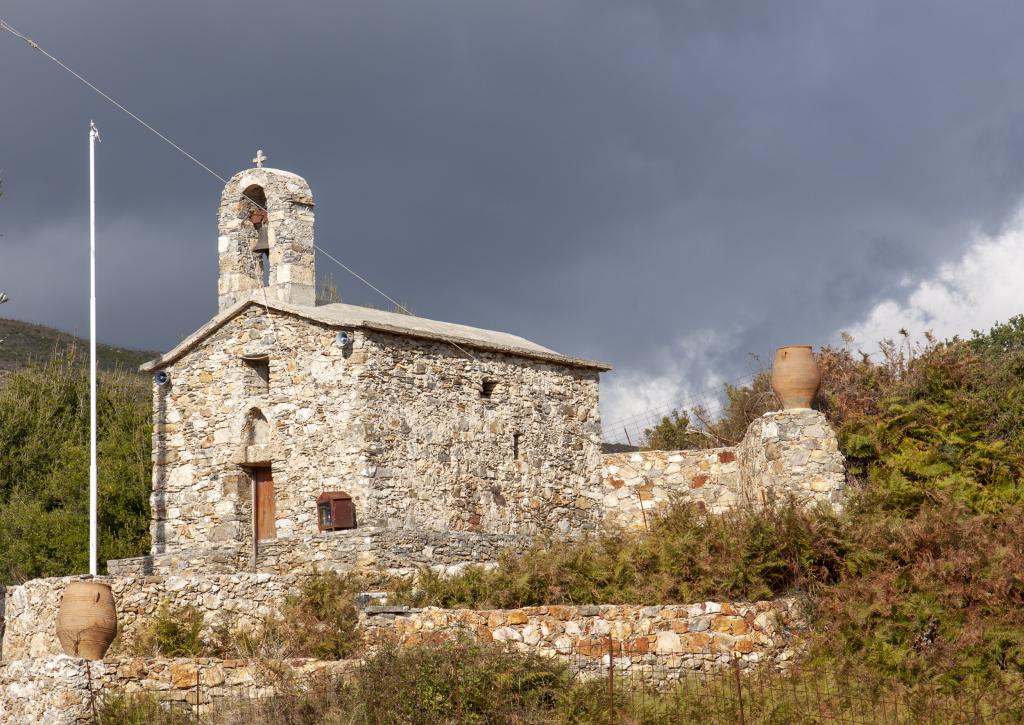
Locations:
783 453
638 484
659 643
369 549
30 615
56 690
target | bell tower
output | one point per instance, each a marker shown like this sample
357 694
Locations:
265 237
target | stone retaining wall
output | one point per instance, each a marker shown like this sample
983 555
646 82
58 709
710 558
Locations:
238 599
61 690
367 549
658 643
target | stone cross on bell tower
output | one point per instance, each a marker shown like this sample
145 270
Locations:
260 158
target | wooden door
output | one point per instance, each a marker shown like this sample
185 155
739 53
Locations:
266 511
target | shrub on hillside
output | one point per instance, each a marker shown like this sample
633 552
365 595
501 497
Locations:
321 620
171 632
698 428
44 469
687 556
938 595
950 427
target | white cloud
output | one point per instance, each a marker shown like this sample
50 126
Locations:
634 399
975 291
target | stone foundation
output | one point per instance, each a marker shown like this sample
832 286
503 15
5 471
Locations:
366 549
63 690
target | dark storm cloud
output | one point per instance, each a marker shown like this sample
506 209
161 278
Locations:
606 178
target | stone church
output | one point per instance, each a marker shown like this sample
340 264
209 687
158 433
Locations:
287 432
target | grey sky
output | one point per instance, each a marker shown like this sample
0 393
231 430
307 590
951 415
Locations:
665 185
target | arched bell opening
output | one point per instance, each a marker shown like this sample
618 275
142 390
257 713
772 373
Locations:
253 210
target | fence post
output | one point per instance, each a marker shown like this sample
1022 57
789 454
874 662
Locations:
455 673
197 693
611 681
739 686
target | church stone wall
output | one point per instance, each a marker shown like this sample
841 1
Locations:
288 231
491 443
401 424
372 550
205 436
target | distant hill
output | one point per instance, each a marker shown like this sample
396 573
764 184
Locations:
24 342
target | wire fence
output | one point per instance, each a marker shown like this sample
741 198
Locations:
615 686
630 430
724 688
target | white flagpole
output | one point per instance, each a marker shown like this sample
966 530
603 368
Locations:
93 495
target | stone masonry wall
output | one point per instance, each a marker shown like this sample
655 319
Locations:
783 453
60 690
400 424
660 643
237 600
289 232
441 456
204 432
369 549
638 485
792 453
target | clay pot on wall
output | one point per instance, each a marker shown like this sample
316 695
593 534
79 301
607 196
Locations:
795 376
87 621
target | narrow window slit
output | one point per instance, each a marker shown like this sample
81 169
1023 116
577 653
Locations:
258 378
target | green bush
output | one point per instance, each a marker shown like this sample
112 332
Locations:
44 469
172 632
321 620
455 682
687 556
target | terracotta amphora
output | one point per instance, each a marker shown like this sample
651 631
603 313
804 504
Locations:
795 376
87 621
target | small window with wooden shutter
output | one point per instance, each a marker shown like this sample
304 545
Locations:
335 511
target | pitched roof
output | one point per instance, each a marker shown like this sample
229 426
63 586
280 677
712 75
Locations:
353 316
